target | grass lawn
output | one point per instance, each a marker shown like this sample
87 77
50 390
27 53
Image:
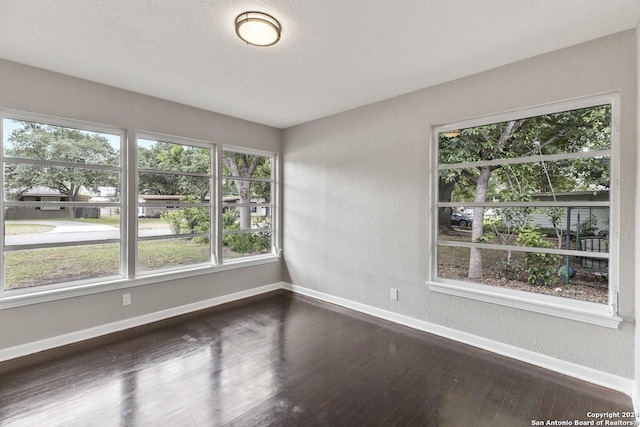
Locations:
35 267
114 221
52 265
151 224
156 254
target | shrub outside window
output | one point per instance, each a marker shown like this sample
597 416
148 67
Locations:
527 203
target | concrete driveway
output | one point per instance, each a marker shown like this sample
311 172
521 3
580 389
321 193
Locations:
72 231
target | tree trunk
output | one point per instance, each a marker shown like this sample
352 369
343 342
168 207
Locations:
445 189
71 196
475 256
246 170
244 192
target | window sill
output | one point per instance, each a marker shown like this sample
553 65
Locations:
581 311
37 295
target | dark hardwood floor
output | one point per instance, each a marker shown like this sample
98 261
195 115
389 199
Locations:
282 360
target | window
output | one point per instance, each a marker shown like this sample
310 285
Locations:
50 207
70 224
526 207
175 203
248 200
57 179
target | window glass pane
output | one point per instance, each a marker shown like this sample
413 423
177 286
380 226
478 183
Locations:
565 180
246 244
584 134
542 227
532 272
168 156
161 200
176 188
162 221
35 267
25 182
254 197
246 165
38 141
44 219
245 191
574 131
91 223
108 220
246 218
172 253
254 216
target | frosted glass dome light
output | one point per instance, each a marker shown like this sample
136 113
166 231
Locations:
258 29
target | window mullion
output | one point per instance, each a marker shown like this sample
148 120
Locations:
172 236
170 172
275 193
247 178
12 248
130 228
527 159
530 249
58 163
173 205
547 204
63 204
219 192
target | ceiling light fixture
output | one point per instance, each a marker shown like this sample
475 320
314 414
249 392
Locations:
258 29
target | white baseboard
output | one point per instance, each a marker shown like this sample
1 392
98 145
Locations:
74 337
615 382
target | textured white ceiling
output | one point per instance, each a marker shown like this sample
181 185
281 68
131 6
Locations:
334 55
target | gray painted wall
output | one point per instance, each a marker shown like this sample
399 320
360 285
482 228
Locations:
355 196
357 210
39 91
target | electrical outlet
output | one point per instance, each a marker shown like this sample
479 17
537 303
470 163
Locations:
393 294
126 299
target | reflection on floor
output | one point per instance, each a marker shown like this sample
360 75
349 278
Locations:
283 359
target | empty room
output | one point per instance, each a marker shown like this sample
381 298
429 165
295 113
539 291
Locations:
290 213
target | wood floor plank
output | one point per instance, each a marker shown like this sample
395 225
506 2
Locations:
286 360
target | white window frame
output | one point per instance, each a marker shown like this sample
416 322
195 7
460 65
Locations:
273 205
211 206
83 126
599 314
128 276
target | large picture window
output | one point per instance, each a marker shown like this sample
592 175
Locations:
175 203
75 219
247 208
61 200
526 204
